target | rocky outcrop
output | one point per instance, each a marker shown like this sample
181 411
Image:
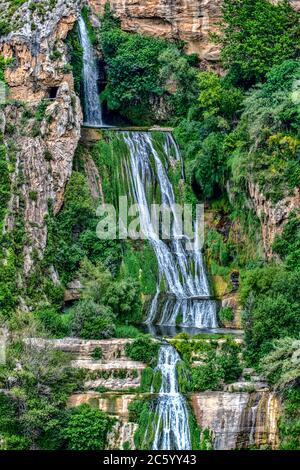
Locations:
272 216
238 420
44 145
191 21
37 49
43 166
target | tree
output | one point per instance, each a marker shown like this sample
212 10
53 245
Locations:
255 35
87 428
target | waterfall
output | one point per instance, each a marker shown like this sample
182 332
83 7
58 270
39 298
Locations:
92 105
181 269
171 413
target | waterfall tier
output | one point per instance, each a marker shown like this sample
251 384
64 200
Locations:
180 268
171 413
90 75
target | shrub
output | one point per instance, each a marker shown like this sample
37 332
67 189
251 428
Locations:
226 314
87 428
92 321
127 331
271 300
97 353
52 321
143 349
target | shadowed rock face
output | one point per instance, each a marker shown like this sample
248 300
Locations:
187 20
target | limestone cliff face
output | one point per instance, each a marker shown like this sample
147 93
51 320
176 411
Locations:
238 420
187 20
38 50
44 150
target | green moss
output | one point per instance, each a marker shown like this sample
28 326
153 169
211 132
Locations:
76 57
146 379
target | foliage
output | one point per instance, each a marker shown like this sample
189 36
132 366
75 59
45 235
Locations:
126 331
265 145
143 71
287 245
76 57
290 424
261 31
226 314
144 349
132 72
38 390
87 428
281 366
270 297
92 321
121 296
72 233
52 321
97 353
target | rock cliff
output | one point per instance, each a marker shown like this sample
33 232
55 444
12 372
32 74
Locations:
44 142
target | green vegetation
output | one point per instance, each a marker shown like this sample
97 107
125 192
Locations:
76 57
226 314
87 429
97 353
271 301
220 362
264 32
91 321
143 348
33 408
138 70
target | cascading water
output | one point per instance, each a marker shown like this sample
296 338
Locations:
182 269
92 105
171 414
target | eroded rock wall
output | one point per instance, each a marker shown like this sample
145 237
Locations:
44 150
239 420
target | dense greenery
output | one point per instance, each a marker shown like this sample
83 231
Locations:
87 428
143 348
76 57
220 361
271 300
240 139
257 34
138 72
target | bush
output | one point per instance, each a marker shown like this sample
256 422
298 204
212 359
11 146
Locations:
52 321
87 428
271 301
226 314
221 365
287 245
143 349
97 353
124 298
127 331
92 321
